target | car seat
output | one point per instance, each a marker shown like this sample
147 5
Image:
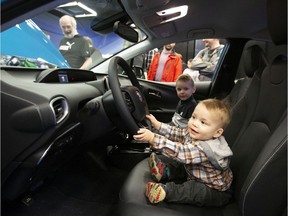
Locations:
253 62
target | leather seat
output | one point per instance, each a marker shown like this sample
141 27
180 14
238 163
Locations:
253 62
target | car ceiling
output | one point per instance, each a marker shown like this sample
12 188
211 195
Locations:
209 18
205 19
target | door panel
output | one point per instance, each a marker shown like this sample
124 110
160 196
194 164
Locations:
202 90
162 98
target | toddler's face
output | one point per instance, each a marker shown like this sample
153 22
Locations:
204 124
184 90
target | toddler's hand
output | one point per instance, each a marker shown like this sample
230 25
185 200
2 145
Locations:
154 122
144 135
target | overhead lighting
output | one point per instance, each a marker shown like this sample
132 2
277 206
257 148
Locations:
78 9
173 13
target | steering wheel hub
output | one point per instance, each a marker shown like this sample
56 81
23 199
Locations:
129 101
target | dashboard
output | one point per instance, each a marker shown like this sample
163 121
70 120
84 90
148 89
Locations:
48 114
59 75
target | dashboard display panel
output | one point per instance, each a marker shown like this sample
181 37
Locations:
65 75
63 78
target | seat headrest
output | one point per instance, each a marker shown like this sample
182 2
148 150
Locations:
277 21
253 57
278 66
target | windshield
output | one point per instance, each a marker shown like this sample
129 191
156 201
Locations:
44 42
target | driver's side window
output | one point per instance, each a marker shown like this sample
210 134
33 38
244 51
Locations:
198 58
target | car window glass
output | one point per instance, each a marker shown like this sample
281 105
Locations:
42 35
197 59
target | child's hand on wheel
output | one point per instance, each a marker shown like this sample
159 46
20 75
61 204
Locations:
144 135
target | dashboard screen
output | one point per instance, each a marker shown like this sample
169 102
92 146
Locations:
63 78
67 75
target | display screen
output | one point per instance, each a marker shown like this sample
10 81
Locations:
67 75
63 78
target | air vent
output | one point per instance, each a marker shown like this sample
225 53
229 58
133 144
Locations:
59 106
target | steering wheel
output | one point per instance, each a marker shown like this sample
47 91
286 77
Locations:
129 100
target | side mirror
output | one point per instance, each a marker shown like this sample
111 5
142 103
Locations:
126 32
139 72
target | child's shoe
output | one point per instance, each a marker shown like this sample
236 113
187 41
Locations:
155 192
159 170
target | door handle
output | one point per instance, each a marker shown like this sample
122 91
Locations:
154 93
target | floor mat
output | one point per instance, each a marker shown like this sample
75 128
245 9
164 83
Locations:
90 183
50 201
79 188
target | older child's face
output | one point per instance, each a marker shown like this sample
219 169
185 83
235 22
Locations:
184 89
204 124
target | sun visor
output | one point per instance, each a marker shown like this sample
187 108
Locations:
165 30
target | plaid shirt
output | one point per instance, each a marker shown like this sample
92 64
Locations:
191 153
149 57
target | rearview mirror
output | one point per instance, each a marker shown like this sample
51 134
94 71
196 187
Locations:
126 32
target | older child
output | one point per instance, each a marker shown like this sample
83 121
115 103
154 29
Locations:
185 89
203 153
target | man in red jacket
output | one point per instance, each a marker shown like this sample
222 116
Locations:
165 66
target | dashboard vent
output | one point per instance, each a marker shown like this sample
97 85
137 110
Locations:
59 107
